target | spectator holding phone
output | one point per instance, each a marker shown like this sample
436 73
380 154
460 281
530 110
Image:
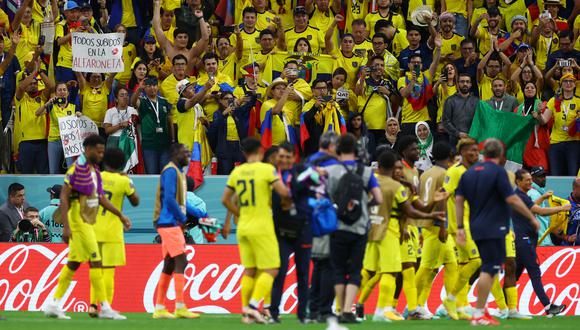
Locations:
445 86
153 57
57 107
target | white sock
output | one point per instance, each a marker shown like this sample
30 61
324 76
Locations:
450 297
57 301
379 311
388 309
159 307
479 312
105 306
179 305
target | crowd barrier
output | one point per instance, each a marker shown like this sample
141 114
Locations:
146 185
29 275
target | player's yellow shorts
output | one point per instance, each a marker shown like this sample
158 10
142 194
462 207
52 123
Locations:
408 252
259 251
434 252
414 231
383 256
112 254
510 245
468 251
83 244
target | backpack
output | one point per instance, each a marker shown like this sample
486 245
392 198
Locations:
348 197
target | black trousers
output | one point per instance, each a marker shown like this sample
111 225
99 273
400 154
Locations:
527 258
301 247
321 288
347 251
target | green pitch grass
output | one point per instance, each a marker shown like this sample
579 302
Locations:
141 321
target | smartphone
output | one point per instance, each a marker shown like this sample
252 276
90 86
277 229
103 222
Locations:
444 74
229 29
327 98
417 70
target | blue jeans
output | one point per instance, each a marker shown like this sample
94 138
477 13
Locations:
155 160
55 157
33 157
461 25
564 158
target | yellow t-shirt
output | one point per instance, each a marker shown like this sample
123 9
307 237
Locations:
167 33
40 12
350 64
355 9
401 197
568 113
232 130
295 107
183 120
399 43
322 21
375 113
109 227
95 102
75 221
129 55
372 19
56 112
28 41
544 47
452 177
230 66
26 123
278 127
128 16
414 4
284 12
457 6
314 36
210 105
442 95
252 183
251 45
170 4
483 39
449 46
409 115
363 48
65 51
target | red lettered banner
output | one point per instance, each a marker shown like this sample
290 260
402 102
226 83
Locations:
29 275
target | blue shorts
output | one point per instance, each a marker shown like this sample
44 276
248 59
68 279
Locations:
492 253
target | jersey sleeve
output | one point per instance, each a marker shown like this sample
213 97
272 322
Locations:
373 183
451 181
401 195
129 187
69 177
503 184
271 174
459 191
232 180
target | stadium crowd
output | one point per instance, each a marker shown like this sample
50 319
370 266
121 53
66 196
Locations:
196 73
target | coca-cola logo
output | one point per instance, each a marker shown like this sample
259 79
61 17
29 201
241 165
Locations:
29 276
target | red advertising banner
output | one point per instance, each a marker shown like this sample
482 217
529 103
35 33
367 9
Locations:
29 275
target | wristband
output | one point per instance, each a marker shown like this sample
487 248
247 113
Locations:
460 227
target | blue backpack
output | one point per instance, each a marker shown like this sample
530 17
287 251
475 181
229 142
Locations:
324 220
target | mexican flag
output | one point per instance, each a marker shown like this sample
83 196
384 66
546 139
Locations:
513 130
128 143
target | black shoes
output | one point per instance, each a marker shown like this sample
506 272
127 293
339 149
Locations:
348 318
553 310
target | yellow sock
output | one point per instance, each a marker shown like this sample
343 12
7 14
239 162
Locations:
511 295
365 277
96 279
450 277
462 300
386 290
423 280
64 280
465 273
247 288
366 290
262 286
410 288
497 293
109 281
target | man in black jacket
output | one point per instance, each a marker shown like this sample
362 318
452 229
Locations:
12 211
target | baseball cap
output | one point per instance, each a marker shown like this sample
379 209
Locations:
182 86
523 46
149 39
70 5
300 10
55 190
537 171
85 5
518 18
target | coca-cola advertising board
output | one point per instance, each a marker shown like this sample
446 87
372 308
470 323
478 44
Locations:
29 275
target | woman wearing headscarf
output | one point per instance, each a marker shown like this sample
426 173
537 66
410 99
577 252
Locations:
423 133
536 152
392 132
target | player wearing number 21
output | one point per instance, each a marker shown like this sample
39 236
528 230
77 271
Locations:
108 228
252 183
81 195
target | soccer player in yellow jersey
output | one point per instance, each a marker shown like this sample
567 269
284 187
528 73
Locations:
383 255
108 228
79 202
437 248
252 183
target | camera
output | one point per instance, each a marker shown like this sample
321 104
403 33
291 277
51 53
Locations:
563 62
25 226
326 98
231 103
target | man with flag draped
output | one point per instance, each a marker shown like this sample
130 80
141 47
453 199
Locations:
251 87
416 89
276 126
320 115
512 129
